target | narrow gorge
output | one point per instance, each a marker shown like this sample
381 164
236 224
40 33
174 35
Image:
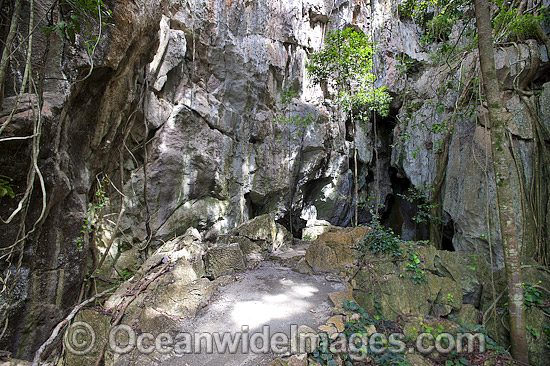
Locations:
176 166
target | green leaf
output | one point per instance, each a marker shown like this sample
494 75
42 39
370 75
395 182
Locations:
70 33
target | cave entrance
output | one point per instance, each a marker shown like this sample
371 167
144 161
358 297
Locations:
407 214
447 236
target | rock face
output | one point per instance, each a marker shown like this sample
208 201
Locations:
81 125
453 287
179 113
432 282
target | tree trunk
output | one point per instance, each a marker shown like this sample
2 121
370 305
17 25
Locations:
502 159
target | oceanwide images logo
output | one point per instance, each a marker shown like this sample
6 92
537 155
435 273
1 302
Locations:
80 339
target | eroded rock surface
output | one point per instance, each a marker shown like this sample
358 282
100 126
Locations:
179 113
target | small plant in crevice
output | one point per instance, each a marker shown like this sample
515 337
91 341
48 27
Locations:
124 276
307 237
406 65
533 331
415 266
94 214
285 119
6 187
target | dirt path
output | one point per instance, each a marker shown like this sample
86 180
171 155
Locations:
270 295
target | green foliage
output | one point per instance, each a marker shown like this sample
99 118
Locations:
94 215
6 187
532 296
345 63
125 275
416 9
458 361
436 17
533 331
359 325
420 197
490 344
294 121
381 240
285 119
511 26
80 17
406 64
415 266
307 237
287 94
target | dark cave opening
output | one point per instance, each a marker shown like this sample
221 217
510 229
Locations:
298 224
402 210
252 208
447 236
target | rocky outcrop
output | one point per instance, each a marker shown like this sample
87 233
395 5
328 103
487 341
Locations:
419 282
429 281
179 112
81 126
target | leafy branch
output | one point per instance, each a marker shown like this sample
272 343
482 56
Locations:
6 187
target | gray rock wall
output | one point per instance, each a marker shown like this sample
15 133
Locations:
198 84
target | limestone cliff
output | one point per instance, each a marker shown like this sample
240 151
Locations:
179 113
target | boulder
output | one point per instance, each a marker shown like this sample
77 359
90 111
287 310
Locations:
337 299
313 232
260 235
314 228
260 228
468 270
224 259
252 252
468 315
333 251
377 292
298 360
302 267
86 323
377 278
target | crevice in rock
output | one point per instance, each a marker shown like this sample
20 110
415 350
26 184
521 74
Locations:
447 236
398 210
298 224
251 206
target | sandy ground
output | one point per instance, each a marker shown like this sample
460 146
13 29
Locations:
270 295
